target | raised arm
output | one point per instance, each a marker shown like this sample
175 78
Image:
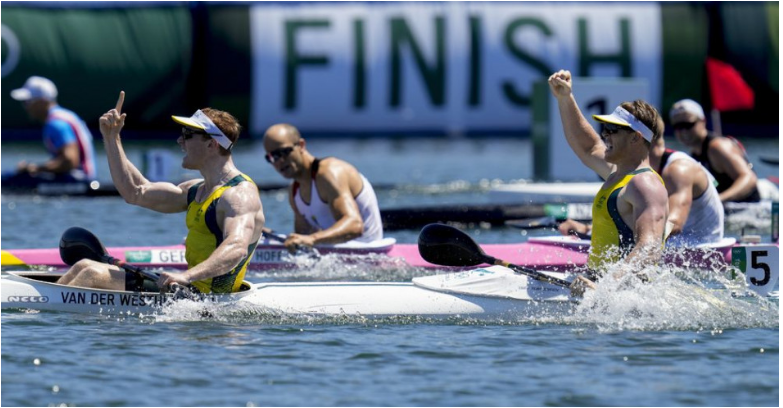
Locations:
580 135
131 184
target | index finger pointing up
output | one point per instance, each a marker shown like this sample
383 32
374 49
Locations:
120 100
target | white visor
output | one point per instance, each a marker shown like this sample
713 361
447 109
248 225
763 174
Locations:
622 117
199 120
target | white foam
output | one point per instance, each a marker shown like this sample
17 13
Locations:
674 299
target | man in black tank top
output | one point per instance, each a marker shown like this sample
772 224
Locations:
723 156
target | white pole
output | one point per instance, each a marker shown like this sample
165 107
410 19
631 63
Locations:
716 128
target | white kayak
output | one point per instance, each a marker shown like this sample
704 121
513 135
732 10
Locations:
493 291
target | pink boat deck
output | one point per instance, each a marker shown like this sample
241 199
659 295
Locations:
542 255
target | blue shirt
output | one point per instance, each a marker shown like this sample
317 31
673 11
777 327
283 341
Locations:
63 127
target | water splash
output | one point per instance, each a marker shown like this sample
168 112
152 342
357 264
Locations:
676 298
695 291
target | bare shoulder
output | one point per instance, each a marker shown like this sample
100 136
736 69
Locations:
683 175
680 168
723 146
333 169
647 187
335 164
242 197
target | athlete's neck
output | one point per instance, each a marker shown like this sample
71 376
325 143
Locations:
656 155
305 175
698 141
633 159
219 173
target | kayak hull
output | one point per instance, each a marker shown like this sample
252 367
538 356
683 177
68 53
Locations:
485 292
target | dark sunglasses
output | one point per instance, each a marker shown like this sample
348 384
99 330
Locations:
187 133
278 154
683 125
611 128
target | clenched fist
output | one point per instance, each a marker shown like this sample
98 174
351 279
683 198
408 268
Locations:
560 83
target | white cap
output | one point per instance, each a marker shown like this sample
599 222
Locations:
622 117
687 106
201 121
36 88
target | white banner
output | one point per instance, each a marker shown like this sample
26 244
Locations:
442 67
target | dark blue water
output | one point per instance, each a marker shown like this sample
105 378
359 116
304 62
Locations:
679 352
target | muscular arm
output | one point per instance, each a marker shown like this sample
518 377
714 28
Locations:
649 201
242 221
131 184
679 179
725 157
578 133
137 190
335 185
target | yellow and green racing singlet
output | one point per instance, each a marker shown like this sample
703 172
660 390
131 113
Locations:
204 236
612 238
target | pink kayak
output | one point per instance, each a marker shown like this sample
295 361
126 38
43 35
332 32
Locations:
543 253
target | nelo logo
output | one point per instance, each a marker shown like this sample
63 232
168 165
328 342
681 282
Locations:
29 299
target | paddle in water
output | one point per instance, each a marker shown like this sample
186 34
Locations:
441 244
78 243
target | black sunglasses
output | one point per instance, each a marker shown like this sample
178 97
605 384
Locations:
187 133
611 128
683 125
278 154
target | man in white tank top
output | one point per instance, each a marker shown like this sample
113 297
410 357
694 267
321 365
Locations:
695 209
332 202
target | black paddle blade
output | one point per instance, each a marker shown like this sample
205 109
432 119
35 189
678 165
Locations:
77 243
444 245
